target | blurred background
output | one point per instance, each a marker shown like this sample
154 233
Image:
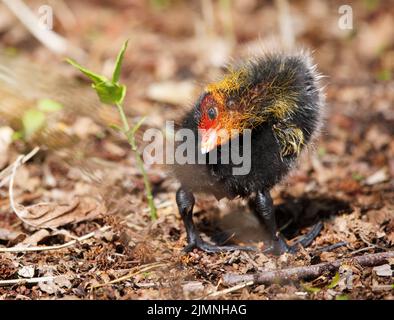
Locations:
175 49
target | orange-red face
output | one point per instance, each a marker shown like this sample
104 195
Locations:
218 119
221 115
210 124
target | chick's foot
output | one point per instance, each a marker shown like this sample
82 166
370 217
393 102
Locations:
207 247
280 246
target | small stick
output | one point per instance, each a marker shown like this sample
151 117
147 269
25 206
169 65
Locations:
299 273
361 250
55 247
23 281
228 290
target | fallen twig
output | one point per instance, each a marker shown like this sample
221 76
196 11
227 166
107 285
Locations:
228 290
298 273
362 249
55 247
27 280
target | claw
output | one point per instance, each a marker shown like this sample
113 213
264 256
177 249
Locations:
279 247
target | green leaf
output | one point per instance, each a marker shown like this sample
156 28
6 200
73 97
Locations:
310 289
110 93
116 127
334 281
342 297
48 105
119 61
33 120
17 135
96 78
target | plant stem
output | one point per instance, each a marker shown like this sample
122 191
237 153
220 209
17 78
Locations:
140 163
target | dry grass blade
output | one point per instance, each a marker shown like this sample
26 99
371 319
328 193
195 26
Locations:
228 290
134 271
23 281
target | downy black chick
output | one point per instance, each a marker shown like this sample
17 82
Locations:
279 98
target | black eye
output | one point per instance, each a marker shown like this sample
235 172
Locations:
212 113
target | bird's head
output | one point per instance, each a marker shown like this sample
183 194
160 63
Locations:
268 90
222 114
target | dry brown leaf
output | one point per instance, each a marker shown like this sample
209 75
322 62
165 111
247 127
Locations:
27 272
383 270
53 215
49 287
380 216
8 266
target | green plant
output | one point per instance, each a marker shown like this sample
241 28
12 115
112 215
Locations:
35 118
334 282
384 75
342 297
110 91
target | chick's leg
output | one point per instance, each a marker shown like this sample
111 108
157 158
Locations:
185 201
264 209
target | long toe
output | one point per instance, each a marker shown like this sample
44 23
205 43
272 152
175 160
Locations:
204 246
307 239
280 245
